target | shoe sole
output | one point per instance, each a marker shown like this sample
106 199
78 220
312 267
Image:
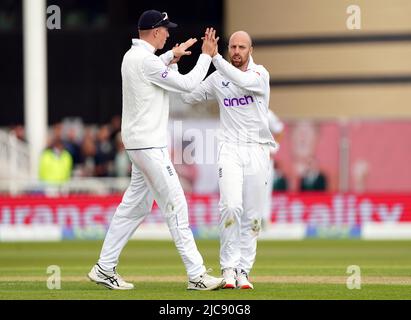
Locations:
106 285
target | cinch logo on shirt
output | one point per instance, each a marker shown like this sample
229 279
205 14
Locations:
235 102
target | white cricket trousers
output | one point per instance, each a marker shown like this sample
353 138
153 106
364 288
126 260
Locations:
153 177
243 174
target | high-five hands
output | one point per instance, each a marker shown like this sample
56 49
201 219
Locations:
210 42
180 50
210 46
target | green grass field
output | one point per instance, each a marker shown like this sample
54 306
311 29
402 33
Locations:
310 269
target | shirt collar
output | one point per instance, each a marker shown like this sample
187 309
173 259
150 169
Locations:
251 63
145 44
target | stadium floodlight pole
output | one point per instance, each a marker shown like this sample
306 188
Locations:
35 79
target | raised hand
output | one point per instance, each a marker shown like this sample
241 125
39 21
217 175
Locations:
210 42
180 50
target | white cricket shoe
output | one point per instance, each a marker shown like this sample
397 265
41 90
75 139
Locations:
229 275
242 280
205 282
109 279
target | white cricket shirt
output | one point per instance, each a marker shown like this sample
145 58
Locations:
146 80
243 99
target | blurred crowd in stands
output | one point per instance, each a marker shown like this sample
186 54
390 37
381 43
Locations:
78 150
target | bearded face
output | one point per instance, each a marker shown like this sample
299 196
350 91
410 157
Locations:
239 50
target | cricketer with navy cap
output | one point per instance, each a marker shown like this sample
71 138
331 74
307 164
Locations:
147 80
153 19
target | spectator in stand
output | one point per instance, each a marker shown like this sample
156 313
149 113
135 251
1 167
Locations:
57 132
19 133
105 153
72 146
313 179
88 152
56 163
280 181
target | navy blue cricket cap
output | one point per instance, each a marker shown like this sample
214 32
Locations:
151 19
